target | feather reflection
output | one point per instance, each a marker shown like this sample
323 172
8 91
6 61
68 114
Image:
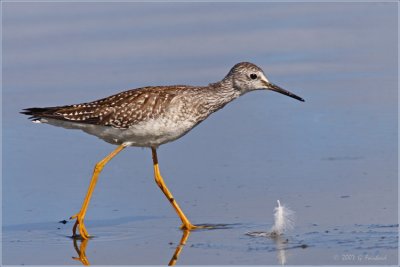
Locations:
281 245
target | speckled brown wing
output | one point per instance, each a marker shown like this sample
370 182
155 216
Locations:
141 105
119 111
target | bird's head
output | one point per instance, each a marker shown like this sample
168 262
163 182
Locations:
247 77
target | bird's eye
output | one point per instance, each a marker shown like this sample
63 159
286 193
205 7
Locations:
253 76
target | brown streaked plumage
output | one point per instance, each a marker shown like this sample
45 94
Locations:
152 116
119 111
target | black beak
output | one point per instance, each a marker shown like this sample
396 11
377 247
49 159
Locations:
273 87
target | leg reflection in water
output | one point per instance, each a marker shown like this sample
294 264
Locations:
179 248
81 250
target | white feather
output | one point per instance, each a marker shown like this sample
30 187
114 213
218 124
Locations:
284 219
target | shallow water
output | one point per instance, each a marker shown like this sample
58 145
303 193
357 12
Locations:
146 241
333 159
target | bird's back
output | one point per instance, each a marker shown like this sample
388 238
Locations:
147 116
121 110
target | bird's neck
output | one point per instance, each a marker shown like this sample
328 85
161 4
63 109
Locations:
225 90
220 94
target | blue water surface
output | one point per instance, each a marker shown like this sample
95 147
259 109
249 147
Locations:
332 159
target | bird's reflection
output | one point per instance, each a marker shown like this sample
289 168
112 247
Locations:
81 249
179 248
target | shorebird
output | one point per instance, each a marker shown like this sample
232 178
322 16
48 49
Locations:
149 117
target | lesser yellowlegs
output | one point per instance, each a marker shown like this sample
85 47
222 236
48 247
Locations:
149 117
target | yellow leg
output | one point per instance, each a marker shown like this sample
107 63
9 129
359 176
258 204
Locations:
186 225
80 216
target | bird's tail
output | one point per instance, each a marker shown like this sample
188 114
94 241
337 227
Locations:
37 113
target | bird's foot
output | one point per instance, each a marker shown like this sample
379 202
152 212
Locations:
80 226
189 226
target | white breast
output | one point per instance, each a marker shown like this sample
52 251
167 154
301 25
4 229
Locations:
151 133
